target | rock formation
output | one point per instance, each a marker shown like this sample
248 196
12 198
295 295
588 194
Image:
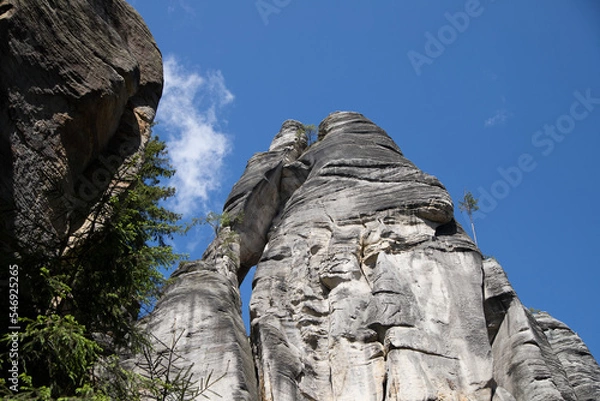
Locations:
366 288
80 81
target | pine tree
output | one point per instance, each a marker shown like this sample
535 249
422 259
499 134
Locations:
469 205
87 300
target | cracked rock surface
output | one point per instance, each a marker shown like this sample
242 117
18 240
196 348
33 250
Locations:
366 288
80 81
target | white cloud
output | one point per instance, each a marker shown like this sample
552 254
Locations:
499 117
188 111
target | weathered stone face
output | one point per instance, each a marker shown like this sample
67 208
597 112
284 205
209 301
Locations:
366 288
579 365
524 362
360 288
80 81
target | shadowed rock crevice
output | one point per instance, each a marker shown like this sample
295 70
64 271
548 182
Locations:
5 8
446 229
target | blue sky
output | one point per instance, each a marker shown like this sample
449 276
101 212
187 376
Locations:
498 97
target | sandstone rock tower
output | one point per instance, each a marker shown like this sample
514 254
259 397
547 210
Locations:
366 288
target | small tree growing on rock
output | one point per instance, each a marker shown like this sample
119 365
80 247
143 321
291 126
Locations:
469 205
310 131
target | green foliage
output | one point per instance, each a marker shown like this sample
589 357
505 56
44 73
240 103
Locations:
114 382
218 221
26 391
97 288
60 345
310 132
168 377
469 203
117 270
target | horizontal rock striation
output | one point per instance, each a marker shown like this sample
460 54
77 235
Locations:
366 288
579 365
356 296
524 362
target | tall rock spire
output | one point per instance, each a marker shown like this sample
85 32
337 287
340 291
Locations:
358 292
